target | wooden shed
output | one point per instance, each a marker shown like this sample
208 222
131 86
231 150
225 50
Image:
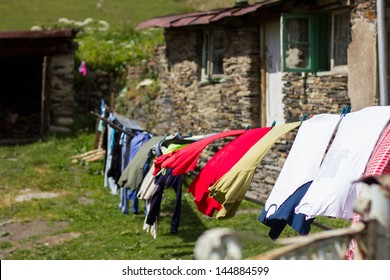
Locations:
36 83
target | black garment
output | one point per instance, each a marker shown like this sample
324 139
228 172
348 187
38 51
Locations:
286 215
115 170
164 181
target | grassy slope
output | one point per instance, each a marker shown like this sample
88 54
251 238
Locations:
23 14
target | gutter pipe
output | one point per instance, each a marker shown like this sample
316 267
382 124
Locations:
382 53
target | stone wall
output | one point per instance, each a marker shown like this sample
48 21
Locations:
362 56
61 93
310 95
185 104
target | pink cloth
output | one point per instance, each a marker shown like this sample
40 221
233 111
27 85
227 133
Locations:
185 159
220 164
83 68
379 163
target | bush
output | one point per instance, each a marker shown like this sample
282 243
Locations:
111 50
114 50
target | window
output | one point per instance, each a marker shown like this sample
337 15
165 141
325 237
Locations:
340 40
212 64
299 43
315 42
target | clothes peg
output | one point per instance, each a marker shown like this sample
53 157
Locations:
304 117
345 110
273 123
248 127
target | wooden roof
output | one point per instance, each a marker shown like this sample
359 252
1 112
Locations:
43 42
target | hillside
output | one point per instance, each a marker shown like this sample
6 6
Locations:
23 14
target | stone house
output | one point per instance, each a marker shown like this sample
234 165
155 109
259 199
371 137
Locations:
250 65
36 83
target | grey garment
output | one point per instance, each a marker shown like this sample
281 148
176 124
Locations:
132 176
148 187
125 142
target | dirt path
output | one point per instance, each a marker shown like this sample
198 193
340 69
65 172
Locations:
21 234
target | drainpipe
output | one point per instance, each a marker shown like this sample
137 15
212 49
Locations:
382 52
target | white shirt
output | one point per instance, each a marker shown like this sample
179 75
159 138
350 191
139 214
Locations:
332 192
304 158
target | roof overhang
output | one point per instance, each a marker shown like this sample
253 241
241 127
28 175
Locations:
202 18
43 42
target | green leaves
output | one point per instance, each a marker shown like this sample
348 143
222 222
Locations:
115 50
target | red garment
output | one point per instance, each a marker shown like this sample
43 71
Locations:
184 160
220 164
379 163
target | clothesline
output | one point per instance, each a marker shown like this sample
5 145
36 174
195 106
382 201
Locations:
222 182
113 125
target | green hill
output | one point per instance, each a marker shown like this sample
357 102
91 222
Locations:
23 14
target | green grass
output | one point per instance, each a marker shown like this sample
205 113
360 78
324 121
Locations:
23 14
105 233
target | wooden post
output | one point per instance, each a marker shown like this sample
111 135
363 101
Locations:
263 78
43 97
112 101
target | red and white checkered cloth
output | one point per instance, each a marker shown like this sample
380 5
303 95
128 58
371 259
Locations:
379 163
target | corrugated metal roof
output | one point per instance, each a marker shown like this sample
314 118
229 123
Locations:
200 18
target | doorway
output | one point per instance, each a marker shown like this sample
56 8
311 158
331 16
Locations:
20 97
274 86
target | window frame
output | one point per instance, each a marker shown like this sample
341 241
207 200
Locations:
319 60
207 58
336 68
312 42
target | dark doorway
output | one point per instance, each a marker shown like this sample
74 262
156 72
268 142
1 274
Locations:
20 97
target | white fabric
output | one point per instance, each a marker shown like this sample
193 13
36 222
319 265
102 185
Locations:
332 192
146 191
148 187
151 229
304 158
